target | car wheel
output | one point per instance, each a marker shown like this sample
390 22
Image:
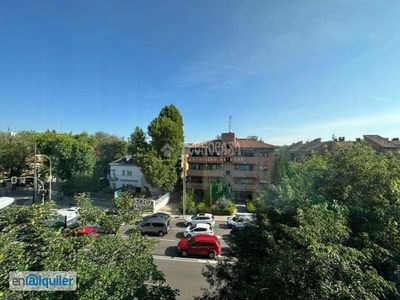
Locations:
161 233
211 255
189 224
233 227
184 253
189 236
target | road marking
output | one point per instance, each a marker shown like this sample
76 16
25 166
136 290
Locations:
182 259
166 240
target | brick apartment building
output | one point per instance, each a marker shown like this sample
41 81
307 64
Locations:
245 164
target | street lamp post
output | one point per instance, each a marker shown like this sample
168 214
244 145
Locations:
51 177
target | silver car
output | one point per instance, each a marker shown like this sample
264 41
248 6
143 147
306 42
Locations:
199 228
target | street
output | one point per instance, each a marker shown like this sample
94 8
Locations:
185 273
181 273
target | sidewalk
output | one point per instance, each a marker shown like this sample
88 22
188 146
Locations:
172 209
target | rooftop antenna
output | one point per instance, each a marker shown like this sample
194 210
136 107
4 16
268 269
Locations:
230 118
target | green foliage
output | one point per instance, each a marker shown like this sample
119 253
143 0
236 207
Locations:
221 211
15 149
78 184
190 201
223 202
328 230
279 169
107 190
201 207
250 206
108 148
108 266
158 159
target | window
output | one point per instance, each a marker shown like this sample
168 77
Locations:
158 225
129 172
214 166
123 172
263 181
196 166
227 159
195 179
263 168
228 173
243 181
243 167
263 154
247 154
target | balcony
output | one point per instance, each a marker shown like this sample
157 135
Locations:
215 173
244 160
197 173
244 174
196 186
245 188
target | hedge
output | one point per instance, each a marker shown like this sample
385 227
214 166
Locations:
201 208
250 207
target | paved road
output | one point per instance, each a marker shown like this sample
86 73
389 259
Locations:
181 273
184 273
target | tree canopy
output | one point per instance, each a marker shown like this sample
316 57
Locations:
108 266
158 158
328 230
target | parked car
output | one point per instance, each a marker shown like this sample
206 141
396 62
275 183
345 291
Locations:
200 218
157 215
160 226
91 231
199 228
207 245
238 221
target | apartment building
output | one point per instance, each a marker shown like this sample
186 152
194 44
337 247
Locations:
246 164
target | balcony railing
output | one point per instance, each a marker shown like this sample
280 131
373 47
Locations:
196 186
245 187
198 173
244 174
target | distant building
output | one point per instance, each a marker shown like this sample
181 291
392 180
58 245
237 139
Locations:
245 164
382 145
299 151
125 172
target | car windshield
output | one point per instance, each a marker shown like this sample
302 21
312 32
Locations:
192 227
190 241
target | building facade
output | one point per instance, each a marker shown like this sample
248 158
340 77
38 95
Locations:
245 164
125 172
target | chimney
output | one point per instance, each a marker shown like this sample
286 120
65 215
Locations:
228 137
358 139
341 139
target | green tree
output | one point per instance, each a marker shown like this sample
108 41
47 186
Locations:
278 169
137 141
15 149
108 266
159 158
328 230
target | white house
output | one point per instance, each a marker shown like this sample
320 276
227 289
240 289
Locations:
125 172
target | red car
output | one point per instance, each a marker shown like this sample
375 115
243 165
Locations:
87 231
200 244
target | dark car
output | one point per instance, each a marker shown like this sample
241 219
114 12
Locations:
159 226
157 215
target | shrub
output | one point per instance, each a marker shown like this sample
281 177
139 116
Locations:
190 205
250 206
218 211
201 208
223 202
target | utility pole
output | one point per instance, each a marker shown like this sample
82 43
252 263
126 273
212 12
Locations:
184 168
34 179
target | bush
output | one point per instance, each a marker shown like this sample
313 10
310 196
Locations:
190 205
224 202
218 211
201 208
250 207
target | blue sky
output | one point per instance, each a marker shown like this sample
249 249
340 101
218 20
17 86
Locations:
285 71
